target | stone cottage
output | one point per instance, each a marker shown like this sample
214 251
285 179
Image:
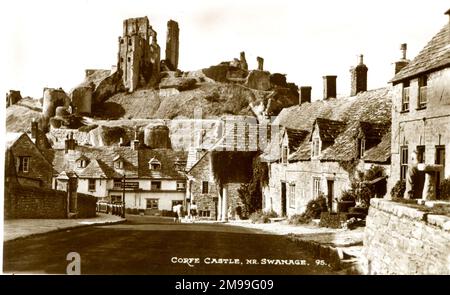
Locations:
421 119
322 144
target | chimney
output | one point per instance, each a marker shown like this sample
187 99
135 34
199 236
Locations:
260 61
329 86
34 128
359 77
305 94
403 62
69 143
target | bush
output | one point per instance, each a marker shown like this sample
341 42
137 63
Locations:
262 217
347 196
313 210
444 189
299 219
87 128
398 190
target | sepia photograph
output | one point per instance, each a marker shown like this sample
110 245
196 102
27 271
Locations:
225 138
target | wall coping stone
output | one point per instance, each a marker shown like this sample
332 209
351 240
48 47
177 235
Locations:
401 210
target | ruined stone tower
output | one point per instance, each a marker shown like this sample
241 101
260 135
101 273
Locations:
172 44
139 54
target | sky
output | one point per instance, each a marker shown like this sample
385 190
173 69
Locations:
49 43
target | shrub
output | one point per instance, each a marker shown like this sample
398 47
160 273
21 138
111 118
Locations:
347 196
299 219
398 190
444 189
87 128
262 217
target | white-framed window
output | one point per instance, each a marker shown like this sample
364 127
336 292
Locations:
361 147
91 184
403 162
284 154
24 164
316 147
405 97
423 91
118 164
181 185
154 164
152 204
156 185
291 195
316 187
82 163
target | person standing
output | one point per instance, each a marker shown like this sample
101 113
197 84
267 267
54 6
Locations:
194 211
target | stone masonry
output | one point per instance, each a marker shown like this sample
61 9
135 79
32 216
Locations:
404 240
172 44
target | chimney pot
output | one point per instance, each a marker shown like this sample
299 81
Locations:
358 77
403 62
361 59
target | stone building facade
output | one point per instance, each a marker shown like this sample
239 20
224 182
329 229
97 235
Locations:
421 119
139 54
322 145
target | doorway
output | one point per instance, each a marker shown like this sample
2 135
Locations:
440 159
283 199
330 194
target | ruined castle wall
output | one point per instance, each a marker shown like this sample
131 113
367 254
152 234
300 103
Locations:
172 44
52 99
82 99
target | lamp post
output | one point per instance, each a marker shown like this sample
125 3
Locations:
123 196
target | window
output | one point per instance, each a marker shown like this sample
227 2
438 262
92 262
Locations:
121 41
403 162
205 188
421 154
24 164
152 204
91 184
316 187
284 155
129 42
405 97
361 147
204 213
117 183
129 59
292 195
422 101
154 164
121 59
82 163
315 147
156 185
181 185
116 198
118 164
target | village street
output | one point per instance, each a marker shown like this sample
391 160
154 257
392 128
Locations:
149 245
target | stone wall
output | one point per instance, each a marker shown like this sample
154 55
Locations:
86 206
33 202
404 240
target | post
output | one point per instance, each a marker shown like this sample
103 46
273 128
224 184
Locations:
219 204
225 203
123 196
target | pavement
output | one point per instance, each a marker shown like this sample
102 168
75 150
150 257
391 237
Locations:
22 228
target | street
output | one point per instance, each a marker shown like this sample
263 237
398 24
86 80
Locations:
149 245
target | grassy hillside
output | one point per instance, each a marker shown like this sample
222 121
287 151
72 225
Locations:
20 115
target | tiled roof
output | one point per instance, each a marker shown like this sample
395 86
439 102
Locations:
380 153
341 121
295 137
329 129
135 162
434 55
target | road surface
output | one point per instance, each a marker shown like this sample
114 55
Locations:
146 245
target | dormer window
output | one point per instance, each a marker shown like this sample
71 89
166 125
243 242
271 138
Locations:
82 162
361 147
118 162
284 154
154 164
315 147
